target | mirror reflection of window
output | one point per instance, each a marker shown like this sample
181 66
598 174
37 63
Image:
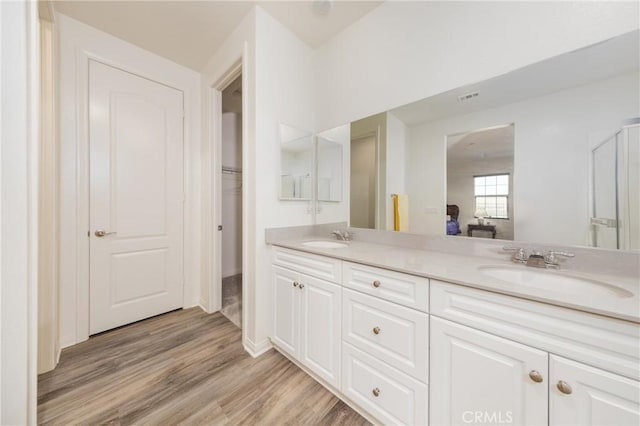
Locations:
492 195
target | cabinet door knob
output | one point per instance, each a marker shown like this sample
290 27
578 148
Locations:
376 330
376 283
376 392
301 286
564 387
295 284
535 376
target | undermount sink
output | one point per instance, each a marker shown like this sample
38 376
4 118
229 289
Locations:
324 244
554 281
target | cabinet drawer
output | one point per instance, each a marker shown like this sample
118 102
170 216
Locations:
321 267
392 333
581 336
407 290
390 396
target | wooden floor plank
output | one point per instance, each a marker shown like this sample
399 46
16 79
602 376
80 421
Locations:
185 367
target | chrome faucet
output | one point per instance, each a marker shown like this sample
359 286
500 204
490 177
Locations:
342 235
536 259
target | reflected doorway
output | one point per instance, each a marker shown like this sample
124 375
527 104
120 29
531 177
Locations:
363 182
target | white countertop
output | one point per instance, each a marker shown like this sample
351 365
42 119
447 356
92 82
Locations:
464 270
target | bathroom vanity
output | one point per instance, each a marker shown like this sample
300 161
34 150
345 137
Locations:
408 336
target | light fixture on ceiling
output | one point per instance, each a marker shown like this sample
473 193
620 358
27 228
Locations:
321 7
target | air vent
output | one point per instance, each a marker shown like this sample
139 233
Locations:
468 96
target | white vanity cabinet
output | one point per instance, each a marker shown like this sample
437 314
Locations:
385 348
307 312
489 358
406 349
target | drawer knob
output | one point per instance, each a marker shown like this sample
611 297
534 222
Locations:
301 286
535 376
376 283
376 330
376 392
564 387
295 284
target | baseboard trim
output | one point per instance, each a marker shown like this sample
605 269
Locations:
203 305
256 349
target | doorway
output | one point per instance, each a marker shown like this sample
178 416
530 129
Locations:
231 202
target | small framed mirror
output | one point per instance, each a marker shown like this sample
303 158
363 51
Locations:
296 164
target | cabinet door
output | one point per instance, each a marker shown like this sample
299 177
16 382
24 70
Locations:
320 314
478 378
286 304
590 396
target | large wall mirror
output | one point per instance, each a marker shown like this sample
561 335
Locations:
547 153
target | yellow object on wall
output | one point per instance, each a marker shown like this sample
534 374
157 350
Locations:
400 212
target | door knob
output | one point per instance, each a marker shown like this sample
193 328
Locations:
376 283
102 233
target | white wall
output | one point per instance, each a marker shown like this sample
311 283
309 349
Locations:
284 94
232 140
79 42
553 137
405 51
19 157
277 88
231 194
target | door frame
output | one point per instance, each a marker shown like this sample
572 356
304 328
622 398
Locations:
82 224
237 67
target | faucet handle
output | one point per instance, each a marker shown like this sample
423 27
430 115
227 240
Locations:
550 257
519 256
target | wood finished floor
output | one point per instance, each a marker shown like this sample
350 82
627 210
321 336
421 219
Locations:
185 367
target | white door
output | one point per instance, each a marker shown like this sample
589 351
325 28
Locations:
321 307
286 307
136 197
478 378
583 395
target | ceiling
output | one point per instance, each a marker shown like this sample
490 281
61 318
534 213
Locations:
485 144
190 32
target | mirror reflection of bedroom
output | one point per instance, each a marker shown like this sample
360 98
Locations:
480 183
